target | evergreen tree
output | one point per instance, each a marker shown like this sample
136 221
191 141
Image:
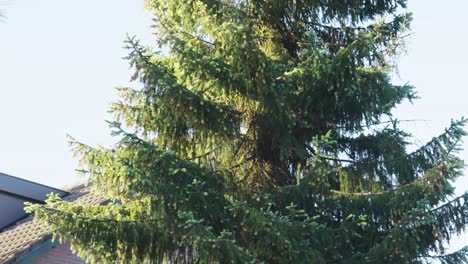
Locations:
265 134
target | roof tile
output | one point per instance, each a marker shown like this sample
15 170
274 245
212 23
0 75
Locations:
22 238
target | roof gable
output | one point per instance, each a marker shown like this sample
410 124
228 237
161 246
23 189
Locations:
14 192
27 235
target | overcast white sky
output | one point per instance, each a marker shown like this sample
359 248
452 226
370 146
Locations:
60 59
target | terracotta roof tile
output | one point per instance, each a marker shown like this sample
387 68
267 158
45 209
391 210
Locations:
26 235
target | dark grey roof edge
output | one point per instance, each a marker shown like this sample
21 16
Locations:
40 184
22 197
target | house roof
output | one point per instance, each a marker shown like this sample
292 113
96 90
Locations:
14 192
27 235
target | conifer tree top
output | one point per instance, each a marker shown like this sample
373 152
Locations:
265 135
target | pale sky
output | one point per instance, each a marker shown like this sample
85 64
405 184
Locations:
60 59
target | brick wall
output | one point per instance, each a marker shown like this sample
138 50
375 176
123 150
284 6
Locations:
61 254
